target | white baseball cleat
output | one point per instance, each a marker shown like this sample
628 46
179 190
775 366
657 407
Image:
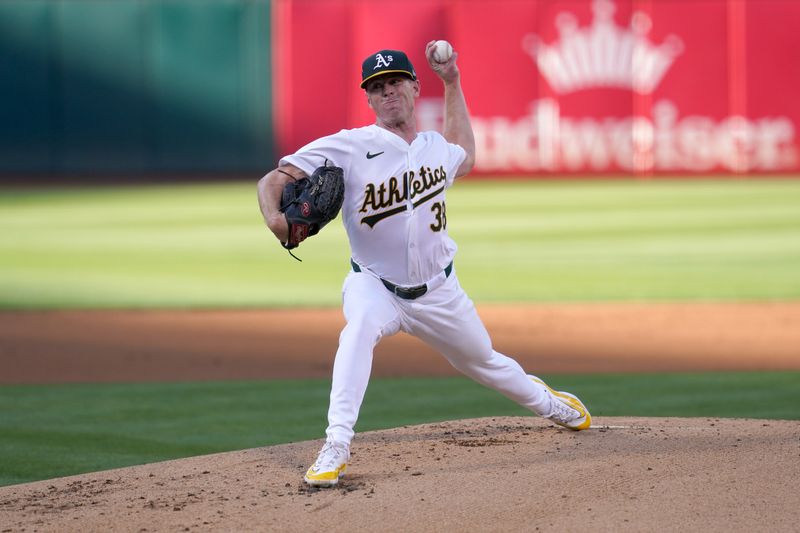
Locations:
566 409
329 466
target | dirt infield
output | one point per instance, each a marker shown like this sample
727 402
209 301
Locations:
89 346
491 474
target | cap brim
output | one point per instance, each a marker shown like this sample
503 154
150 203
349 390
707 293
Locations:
384 72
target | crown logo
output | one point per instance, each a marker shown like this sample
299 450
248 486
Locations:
603 54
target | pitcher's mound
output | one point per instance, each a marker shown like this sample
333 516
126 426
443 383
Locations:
489 474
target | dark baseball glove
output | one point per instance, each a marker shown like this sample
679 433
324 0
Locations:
310 203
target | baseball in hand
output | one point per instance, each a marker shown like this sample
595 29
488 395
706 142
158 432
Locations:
442 51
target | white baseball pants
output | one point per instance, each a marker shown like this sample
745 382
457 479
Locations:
444 318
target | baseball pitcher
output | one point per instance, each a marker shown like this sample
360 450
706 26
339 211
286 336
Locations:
393 181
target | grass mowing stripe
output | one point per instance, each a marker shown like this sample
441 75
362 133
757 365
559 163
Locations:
205 245
58 430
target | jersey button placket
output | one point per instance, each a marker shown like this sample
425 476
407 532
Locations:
410 219
411 235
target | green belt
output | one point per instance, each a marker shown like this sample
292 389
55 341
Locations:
407 293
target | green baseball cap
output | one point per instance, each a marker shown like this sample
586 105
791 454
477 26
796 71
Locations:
386 62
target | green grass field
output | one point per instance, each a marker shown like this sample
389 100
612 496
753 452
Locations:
52 431
205 245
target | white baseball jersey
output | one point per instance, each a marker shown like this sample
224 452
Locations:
395 216
394 208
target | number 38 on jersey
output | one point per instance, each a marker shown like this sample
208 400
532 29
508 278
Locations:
440 216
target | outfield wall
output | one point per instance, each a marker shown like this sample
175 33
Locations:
99 87
565 86
555 87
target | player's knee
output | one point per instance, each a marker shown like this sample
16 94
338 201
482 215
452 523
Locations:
467 356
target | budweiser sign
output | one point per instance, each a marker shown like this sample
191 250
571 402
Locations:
582 69
603 54
546 140
656 87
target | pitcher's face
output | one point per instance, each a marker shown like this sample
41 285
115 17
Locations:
391 97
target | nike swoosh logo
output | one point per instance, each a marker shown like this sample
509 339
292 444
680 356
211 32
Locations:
370 156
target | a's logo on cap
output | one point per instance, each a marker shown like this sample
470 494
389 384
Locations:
381 61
